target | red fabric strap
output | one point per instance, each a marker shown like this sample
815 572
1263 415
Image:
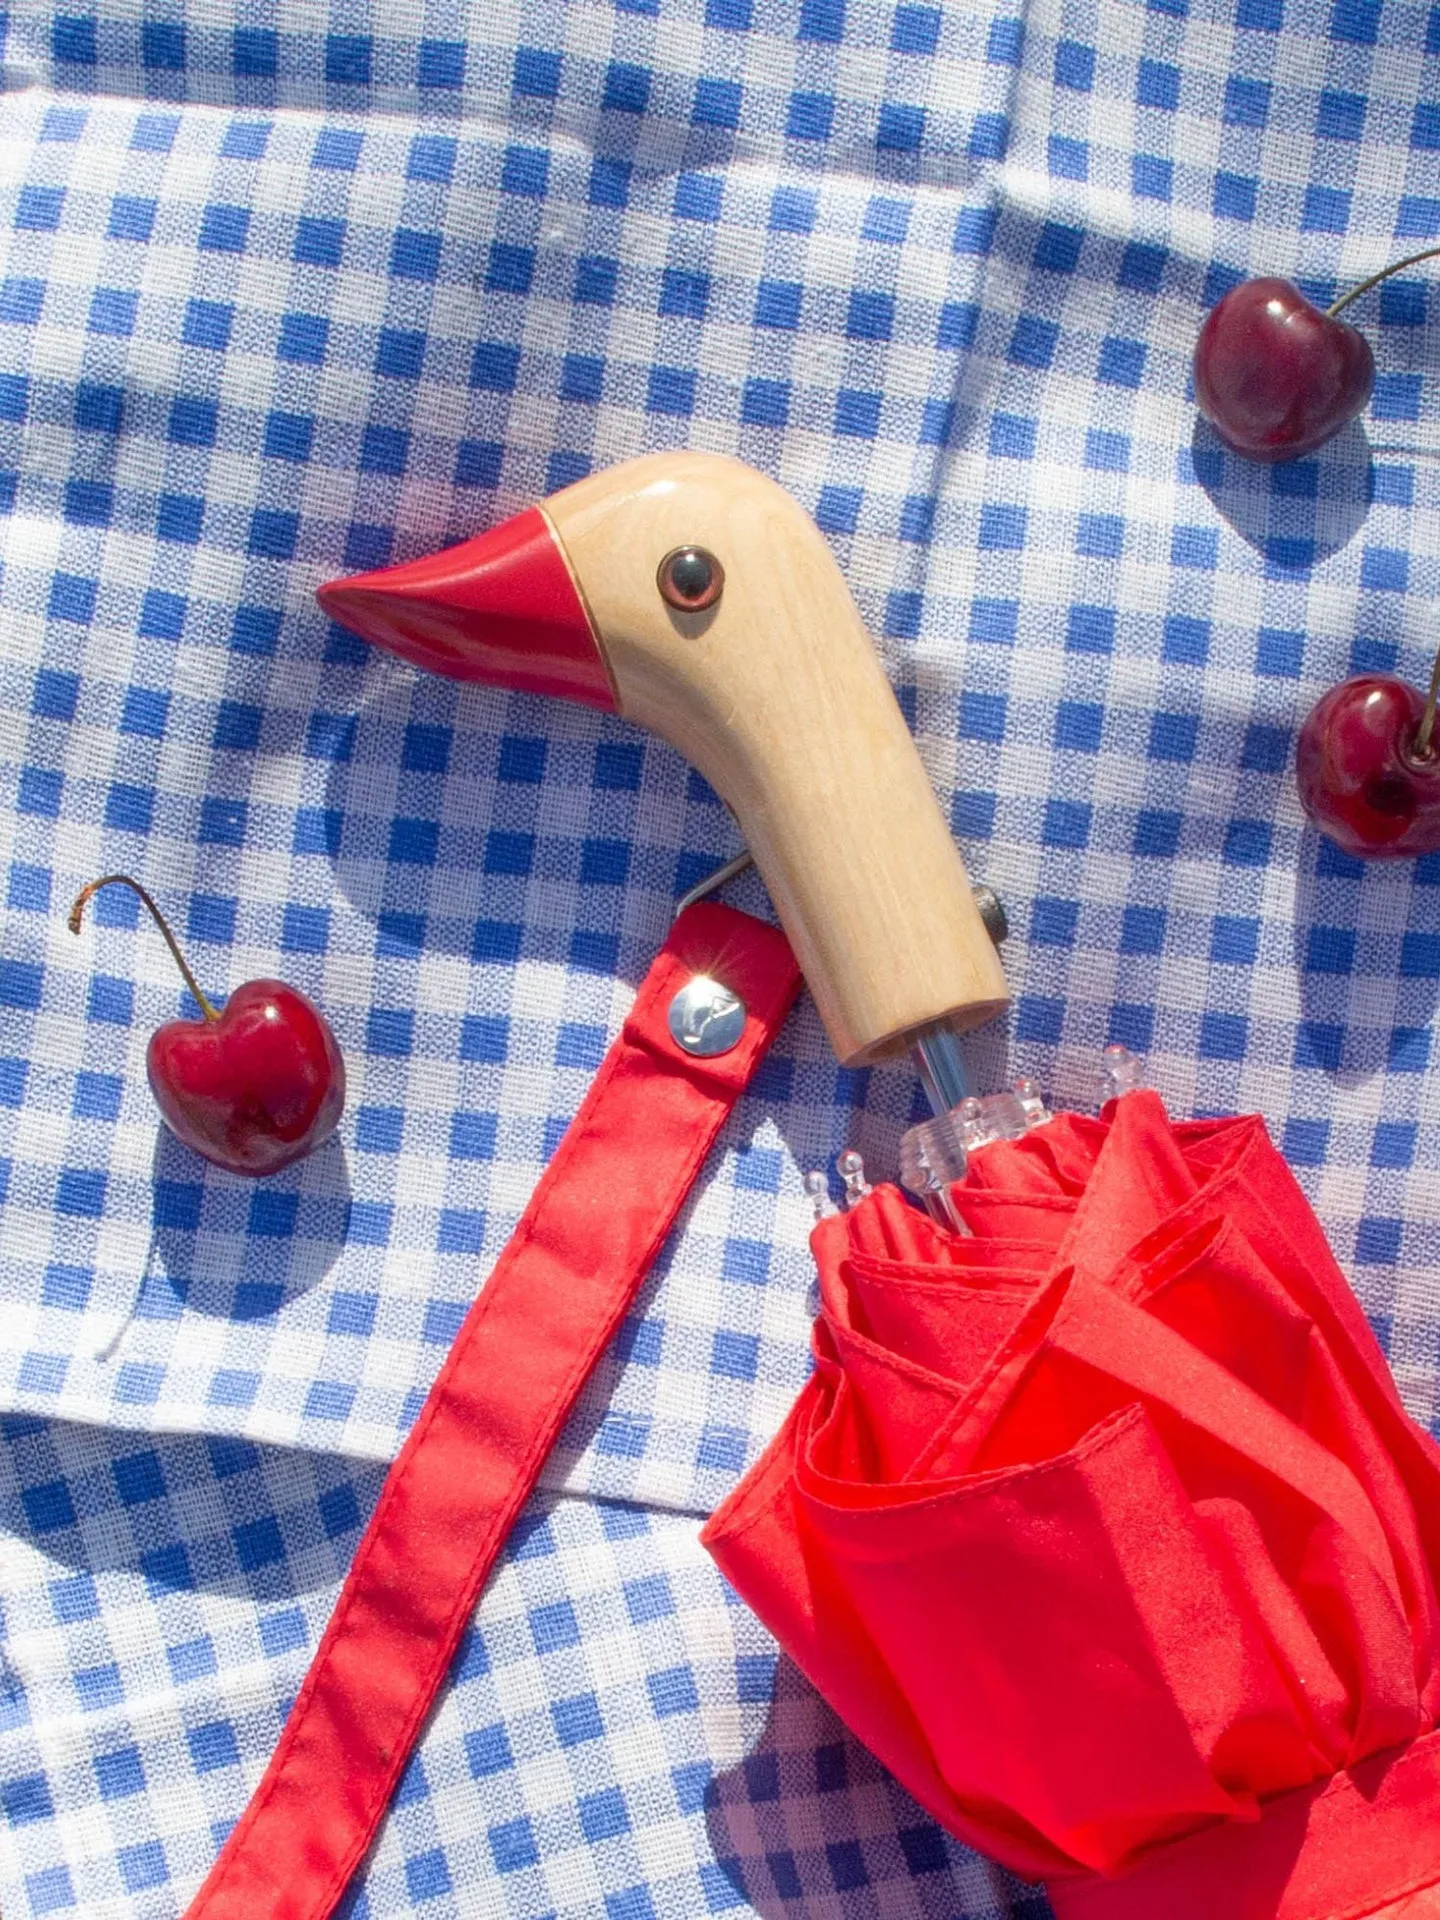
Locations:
544 1316
1362 1843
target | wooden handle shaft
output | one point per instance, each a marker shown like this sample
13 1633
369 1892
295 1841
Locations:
777 696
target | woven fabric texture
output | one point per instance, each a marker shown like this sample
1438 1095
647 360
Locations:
291 291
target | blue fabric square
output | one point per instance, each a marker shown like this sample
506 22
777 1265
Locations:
1234 196
1341 116
1053 923
255 52
207 322
989 137
900 129
838 509
717 103
685 295
857 413
348 59
1033 342
1326 210
916 30
672 1691
21 301
162 45
536 72
811 116
974 230
88 503
112 311
1173 736
1394 1143
1195 547
1157 833
777 304
336 151
1068 159
1142 930
1223 1036
37 209
1012 436
427 1875
72 40
994 622
554 1627
1378 1240
1039 1018
1247 102
1157 84
246 140
1356 21
627 87
488 1751
734 1356
1002 528
319 243
1067 823
1122 362
1074 65
577 1719
414 255
1100 535
603 1815
432 156
1247 843
1234 940
120 1773
50 1890
982 716
224 229
582 378
1385 569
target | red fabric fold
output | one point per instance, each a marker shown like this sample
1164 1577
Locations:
1104 1527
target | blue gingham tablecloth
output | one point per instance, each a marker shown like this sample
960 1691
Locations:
287 291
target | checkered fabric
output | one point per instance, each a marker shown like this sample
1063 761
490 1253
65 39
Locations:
287 291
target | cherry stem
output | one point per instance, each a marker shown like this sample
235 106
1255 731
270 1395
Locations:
82 900
1424 747
1396 266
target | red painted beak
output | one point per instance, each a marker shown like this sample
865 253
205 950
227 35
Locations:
501 608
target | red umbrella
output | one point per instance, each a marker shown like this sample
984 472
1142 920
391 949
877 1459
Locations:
1100 1520
1103 1525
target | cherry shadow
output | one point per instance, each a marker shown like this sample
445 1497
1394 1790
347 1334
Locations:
237 1249
1366 949
196 1488
1296 513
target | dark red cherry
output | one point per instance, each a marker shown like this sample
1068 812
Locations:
253 1086
1275 376
1368 769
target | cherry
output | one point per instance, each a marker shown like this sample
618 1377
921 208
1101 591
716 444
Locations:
252 1088
1274 375
1368 766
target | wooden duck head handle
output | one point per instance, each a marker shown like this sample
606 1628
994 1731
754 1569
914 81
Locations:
693 596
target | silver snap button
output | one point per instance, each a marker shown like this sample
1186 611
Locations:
706 1018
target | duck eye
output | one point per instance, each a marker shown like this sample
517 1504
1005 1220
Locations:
690 579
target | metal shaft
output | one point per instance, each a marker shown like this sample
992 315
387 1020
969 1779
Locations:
939 1058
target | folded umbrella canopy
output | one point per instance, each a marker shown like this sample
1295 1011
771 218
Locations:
1103 1525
